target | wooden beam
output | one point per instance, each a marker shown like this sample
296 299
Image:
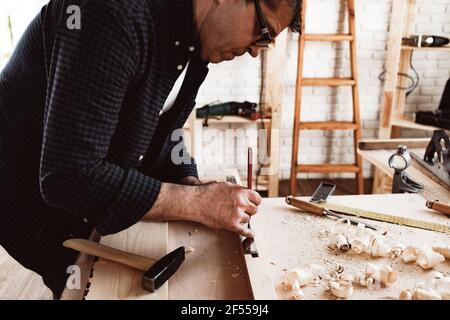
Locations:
392 67
378 144
273 94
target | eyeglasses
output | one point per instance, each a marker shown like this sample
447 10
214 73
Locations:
266 39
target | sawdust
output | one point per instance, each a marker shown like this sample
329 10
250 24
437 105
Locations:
325 262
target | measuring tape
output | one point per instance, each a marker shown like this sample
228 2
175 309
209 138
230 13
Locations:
386 218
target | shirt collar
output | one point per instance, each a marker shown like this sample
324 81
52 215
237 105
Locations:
183 32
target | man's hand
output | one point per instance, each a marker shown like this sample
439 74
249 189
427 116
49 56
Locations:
229 206
219 206
193 181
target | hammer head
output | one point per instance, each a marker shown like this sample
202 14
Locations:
162 270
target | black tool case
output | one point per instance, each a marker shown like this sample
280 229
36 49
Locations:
441 117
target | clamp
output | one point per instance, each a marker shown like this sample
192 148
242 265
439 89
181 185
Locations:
400 161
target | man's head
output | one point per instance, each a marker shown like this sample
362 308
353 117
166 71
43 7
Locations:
230 28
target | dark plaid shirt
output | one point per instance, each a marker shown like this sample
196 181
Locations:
82 143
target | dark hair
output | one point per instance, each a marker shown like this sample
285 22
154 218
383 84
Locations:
296 5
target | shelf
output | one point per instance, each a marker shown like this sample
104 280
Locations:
404 122
232 119
433 49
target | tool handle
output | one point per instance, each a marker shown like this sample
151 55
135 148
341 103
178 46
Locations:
99 250
305 206
439 207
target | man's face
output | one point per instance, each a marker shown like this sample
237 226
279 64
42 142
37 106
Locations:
231 28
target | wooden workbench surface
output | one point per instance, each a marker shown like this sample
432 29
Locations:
434 190
285 239
289 239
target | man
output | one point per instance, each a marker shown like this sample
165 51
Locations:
88 112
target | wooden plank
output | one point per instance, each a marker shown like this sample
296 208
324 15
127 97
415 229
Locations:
397 25
355 94
405 57
405 122
272 98
215 270
379 144
329 82
431 49
19 283
111 281
298 101
308 248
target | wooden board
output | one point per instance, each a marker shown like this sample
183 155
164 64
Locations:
111 280
214 270
19 283
379 144
288 239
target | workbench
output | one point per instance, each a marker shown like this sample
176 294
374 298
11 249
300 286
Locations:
286 239
434 189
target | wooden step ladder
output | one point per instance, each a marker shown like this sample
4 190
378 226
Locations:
352 82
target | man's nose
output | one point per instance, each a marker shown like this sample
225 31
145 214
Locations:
254 51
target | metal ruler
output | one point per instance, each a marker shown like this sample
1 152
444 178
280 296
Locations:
386 218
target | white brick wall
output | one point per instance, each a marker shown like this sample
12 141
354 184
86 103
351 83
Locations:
239 79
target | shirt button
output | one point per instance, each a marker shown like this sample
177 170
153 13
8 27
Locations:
191 49
85 220
141 158
177 43
180 67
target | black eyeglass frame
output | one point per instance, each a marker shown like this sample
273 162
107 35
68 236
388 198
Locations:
266 39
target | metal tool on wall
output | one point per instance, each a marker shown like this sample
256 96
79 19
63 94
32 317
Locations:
156 272
400 161
436 159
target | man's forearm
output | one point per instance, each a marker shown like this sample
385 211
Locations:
171 204
218 205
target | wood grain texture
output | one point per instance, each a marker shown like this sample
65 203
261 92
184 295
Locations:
379 144
112 280
289 239
397 27
19 283
215 270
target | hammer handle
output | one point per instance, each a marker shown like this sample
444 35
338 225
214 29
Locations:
439 207
305 206
99 250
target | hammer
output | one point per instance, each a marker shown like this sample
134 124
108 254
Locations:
156 272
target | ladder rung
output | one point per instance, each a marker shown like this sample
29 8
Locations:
328 168
328 125
329 37
329 82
